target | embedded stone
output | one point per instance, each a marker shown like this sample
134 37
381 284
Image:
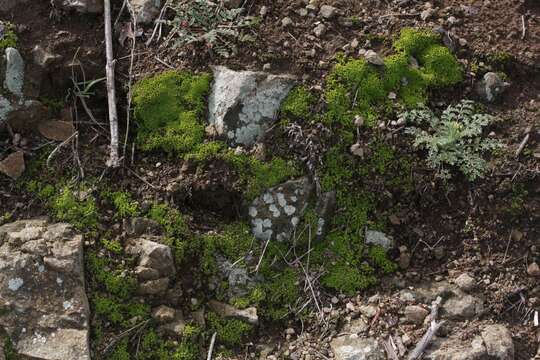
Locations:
356 348
13 165
14 76
227 311
243 104
276 213
498 341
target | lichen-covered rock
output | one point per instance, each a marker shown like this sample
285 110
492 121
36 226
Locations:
462 306
243 104
356 348
276 213
379 238
14 75
491 87
43 304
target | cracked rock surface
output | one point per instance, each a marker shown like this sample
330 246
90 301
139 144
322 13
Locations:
43 305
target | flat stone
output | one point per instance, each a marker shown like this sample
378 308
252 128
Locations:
81 6
498 341
56 130
465 282
14 76
227 311
415 314
154 287
380 239
463 307
153 255
44 308
163 314
13 165
491 87
276 213
373 58
454 348
328 11
356 348
533 269
243 104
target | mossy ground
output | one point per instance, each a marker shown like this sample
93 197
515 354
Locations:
169 109
9 38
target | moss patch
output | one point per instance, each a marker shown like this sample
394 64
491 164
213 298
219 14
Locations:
169 108
298 104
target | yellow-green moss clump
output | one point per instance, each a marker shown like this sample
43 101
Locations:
169 109
298 104
8 37
355 87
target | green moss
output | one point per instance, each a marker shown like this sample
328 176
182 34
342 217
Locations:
121 351
173 221
114 246
298 104
169 108
9 38
118 312
113 281
440 66
349 279
378 256
413 42
123 203
231 332
78 207
279 292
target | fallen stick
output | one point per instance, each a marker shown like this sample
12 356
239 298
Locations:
523 27
113 161
211 348
524 141
433 328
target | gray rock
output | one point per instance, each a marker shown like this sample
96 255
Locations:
43 305
227 311
465 282
356 326
373 58
142 226
462 307
286 22
498 341
82 6
368 310
276 213
14 76
328 11
163 314
491 87
454 348
26 116
153 255
243 104
174 328
319 30
239 281
379 238
355 348
415 314
146 10
154 287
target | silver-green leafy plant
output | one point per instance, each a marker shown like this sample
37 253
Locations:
455 139
218 27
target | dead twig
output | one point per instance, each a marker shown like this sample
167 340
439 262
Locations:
114 160
130 76
51 155
211 348
432 330
524 141
523 27
389 348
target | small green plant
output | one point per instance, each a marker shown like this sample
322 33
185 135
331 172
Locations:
8 37
78 207
455 139
169 108
298 104
229 332
210 23
123 203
